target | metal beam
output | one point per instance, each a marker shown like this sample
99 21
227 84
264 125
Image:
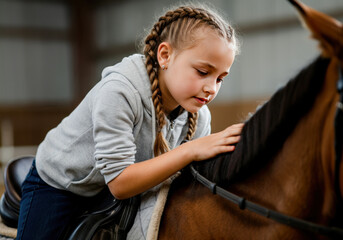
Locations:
34 33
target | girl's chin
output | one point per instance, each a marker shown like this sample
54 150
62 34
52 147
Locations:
192 109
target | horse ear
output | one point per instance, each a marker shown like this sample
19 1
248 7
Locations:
327 30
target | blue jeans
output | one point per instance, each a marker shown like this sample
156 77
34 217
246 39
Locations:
46 212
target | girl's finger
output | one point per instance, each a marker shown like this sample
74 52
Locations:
232 140
234 130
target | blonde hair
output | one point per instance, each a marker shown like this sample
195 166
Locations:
177 27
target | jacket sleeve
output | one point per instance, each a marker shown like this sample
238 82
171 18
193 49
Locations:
114 113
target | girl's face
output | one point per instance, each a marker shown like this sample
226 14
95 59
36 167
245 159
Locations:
193 76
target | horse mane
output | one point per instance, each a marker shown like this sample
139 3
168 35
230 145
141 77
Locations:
265 132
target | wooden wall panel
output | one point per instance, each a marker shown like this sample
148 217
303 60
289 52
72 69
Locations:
30 124
226 114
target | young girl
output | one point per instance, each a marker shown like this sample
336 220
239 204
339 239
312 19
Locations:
127 131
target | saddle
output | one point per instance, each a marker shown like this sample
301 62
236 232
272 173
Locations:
109 219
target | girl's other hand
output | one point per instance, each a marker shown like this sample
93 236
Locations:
216 143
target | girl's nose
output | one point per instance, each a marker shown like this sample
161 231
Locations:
210 86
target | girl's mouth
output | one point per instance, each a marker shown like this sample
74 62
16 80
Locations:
202 101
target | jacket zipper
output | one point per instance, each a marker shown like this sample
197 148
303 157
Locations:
170 129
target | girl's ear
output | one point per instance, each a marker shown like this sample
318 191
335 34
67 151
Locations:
164 52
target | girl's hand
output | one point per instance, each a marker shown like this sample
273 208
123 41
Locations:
216 143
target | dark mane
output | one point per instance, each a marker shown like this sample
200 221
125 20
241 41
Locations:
265 132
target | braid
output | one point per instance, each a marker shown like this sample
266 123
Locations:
151 44
160 145
192 125
170 28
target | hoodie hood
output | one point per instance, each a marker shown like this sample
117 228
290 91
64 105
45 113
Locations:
134 70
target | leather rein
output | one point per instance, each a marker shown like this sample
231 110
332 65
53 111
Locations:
277 216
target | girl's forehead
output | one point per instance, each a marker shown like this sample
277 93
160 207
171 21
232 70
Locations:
210 50
204 32
206 42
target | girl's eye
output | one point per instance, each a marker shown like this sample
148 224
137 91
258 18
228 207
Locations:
220 80
202 73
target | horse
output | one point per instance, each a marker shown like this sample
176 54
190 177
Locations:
286 169
286 166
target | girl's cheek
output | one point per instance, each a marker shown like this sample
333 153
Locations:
214 96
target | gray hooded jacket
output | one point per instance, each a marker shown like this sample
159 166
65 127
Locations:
112 128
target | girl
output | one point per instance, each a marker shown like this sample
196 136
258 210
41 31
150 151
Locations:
127 131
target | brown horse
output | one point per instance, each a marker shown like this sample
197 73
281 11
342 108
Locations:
285 160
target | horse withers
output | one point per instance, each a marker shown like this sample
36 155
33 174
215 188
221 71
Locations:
284 162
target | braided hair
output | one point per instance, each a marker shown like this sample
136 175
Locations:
171 28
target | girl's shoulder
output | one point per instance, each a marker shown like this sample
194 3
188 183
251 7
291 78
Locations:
130 74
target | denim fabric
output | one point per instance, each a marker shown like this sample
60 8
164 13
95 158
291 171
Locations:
45 212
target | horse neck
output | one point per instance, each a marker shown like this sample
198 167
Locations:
299 180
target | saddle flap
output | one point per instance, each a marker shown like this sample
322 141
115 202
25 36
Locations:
15 174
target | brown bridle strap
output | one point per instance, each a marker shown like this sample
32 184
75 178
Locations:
332 232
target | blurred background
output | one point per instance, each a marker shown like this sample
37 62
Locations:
53 51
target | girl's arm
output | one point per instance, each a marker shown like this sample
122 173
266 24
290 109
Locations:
142 176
